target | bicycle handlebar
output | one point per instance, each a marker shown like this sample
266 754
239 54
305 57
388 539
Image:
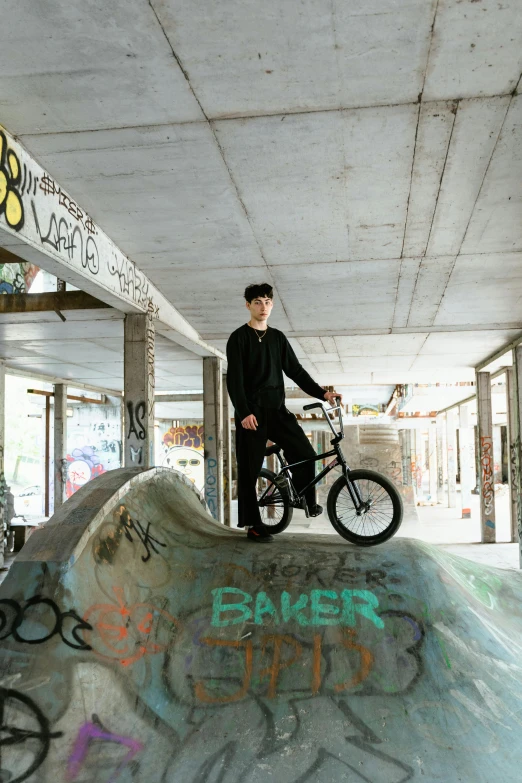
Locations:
328 419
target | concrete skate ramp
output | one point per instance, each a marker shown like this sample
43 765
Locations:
142 642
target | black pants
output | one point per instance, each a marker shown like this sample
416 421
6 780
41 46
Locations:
280 426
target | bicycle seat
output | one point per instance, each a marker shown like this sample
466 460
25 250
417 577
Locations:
274 449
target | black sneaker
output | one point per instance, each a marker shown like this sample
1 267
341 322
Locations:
315 511
259 535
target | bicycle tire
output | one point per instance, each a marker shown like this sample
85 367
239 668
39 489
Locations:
282 502
389 530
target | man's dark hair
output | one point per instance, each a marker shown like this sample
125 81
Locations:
258 290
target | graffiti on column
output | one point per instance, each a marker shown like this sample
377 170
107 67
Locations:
486 462
211 487
152 313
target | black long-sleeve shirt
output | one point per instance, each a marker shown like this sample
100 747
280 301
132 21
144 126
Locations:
255 370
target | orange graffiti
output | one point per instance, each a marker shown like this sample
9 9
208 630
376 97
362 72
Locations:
127 633
366 661
316 664
199 687
277 664
190 436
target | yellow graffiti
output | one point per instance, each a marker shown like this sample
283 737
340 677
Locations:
10 174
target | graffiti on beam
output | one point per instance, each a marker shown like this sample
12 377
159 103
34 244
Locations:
63 237
50 187
11 206
211 495
130 280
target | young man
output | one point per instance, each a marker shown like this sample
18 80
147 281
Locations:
257 357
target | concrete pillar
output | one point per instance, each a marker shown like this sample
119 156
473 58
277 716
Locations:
139 390
517 372
419 463
451 448
440 459
213 427
227 456
432 450
467 469
406 457
3 483
487 487
514 451
60 444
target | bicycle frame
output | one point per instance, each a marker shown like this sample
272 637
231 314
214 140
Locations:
296 498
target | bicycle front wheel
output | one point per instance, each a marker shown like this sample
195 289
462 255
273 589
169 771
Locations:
374 526
273 501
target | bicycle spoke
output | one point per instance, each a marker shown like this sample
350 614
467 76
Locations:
376 519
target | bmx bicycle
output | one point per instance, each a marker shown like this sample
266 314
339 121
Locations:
363 506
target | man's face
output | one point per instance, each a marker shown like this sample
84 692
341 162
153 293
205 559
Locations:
260 308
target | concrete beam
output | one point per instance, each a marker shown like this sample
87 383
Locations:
432 450
60 444
42 224
213 428
179 397
139 391
485 436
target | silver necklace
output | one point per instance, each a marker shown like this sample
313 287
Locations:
262 333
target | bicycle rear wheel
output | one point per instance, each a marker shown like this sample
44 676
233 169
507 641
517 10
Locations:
274 503
374 526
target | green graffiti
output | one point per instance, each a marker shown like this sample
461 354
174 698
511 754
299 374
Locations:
321 606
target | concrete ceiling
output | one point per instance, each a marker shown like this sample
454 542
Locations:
364 156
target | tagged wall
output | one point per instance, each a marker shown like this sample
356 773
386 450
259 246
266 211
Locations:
94 443
154 644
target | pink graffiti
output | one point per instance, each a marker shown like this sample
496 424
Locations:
89 732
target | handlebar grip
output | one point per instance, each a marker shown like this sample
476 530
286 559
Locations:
312 405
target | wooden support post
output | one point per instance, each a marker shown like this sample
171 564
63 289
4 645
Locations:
487 486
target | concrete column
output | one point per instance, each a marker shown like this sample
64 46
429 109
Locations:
419 463
213 426
517 372
406 457
514 451
139 384
487 487
451 448
467 470
60 444
432 450
3 483
440 459
227 457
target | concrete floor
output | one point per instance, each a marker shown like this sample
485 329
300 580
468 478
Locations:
438 525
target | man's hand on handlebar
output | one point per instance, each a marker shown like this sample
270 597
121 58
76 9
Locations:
333 397
249 422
